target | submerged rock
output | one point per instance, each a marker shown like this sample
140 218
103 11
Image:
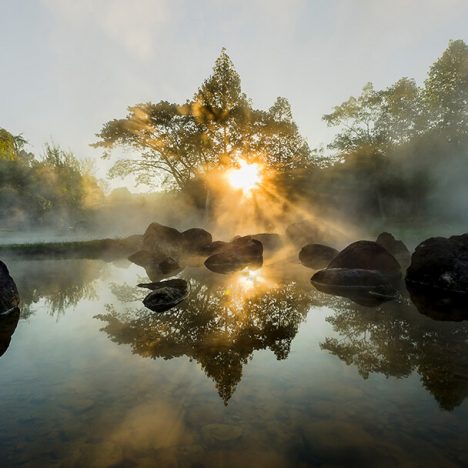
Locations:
367 255
9 297
441 263
165 294
396 247
317 256
366 287
240 253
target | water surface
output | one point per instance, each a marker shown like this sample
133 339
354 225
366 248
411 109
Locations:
253 369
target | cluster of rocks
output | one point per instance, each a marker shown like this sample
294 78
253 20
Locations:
368 272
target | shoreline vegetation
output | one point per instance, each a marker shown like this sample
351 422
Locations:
106 249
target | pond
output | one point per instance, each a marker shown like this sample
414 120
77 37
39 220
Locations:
253 369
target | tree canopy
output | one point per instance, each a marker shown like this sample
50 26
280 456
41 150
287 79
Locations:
175 143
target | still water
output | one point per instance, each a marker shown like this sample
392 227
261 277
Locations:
253 369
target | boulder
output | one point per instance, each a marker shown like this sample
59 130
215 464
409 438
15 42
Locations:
366 287
160 238
166 294
213 247
145 258
441 263
317 256
196 239
396 247
169 265
367 255
9 297
240 253
8 323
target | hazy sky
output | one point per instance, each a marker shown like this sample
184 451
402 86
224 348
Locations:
68 66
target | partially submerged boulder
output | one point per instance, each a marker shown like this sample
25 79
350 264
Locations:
9 297
213 247
441 263
396 247
165 294
366 287
317 256
8 323
240 253
367 255
160 238
145 258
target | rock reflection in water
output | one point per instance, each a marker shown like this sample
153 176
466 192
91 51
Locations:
7 328
220 325
396 340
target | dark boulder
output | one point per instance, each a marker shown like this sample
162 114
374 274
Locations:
317 256
196 239
169 265
240 253
396 247
213 247
166 294
8 323
367 255
365 287
159 238
441 263
145 258
9 297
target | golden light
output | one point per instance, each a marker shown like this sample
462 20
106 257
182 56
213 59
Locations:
247 177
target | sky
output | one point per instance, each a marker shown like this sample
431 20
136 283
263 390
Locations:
69 66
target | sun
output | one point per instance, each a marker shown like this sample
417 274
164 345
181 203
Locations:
246 177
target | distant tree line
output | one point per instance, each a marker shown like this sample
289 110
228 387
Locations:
54 190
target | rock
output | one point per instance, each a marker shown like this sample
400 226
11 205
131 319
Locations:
366 287
317 256
166 294
168 265
135 242
439 304
9 297
242 252
145 258
396 247
213 247
196 239
441 263
367 255
159 238
8 323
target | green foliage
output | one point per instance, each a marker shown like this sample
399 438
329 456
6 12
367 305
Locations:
392 145
176 143
52 191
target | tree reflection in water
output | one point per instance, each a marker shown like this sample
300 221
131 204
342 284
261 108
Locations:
396 340
222 322
60 283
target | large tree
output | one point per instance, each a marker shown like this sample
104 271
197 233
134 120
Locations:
173 144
